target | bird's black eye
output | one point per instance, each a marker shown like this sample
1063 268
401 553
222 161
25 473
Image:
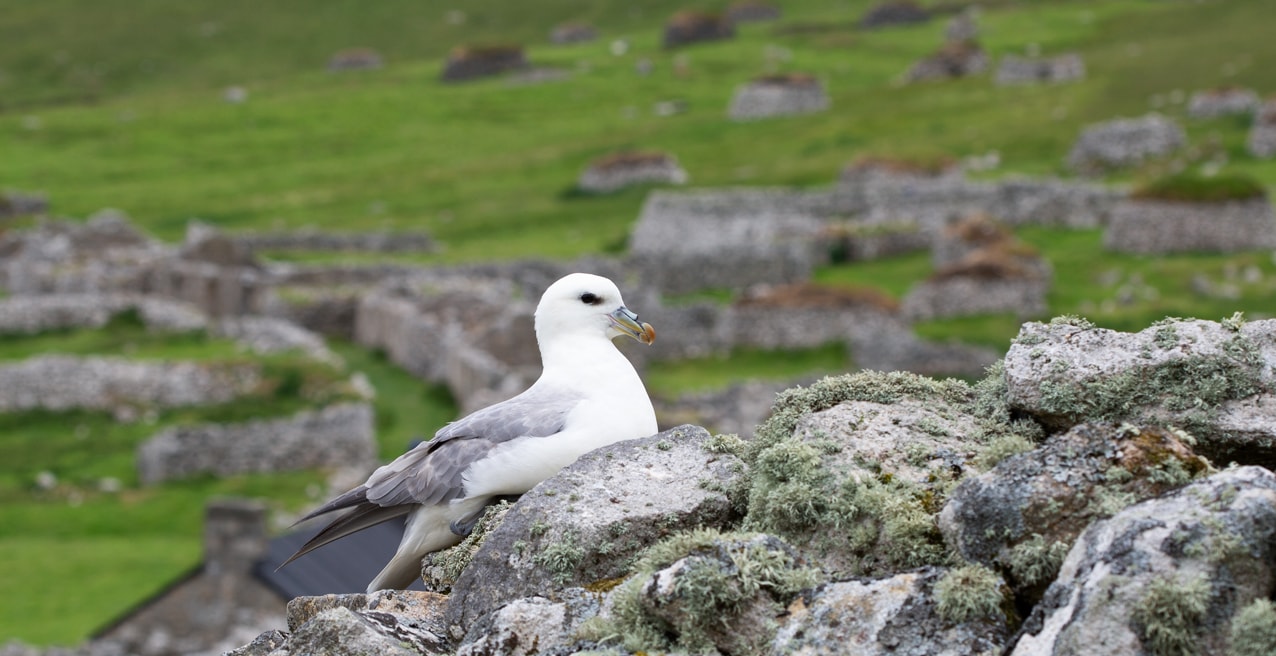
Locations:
590 298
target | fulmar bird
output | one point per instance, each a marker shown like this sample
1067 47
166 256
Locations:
588 396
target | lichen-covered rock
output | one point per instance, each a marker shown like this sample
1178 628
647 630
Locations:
894 615
872 454
1024 514
704 591
344 631
1165 576
530 626
585 524
262 645
1213 379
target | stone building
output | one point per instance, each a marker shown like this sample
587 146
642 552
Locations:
752 11
1261 141
1125 142
573 32
1161 226
625 169
355 59
894 12
990 280
1014 69
953 60
967 235
688 27
778 95
1222 101
473 62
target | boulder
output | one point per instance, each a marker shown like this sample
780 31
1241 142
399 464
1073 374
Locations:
532 625
894 615
1165 576
584 525
1024 514
1212 379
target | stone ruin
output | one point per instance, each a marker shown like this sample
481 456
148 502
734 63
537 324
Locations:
355 59
778 95
1040 70
1125 142
573 32
688 27
17 203
953 60
894 12
473 62
752 11
1002 277
965 236
1222 101
1152 226
962 27
309 240
1261 141
340 435
626 169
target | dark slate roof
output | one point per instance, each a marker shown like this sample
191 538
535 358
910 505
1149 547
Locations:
340 567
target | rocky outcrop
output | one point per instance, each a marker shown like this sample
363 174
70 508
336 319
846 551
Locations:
1168 575
1125 142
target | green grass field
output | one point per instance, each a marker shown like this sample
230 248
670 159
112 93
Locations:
120 104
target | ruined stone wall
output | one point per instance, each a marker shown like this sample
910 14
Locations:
969 295
759 100
314 240
606 179
338 436
1222 102
1146 226
1048 70
1125 142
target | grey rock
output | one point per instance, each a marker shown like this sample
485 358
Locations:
529 626
896 615
1025 513
418 609
585 524
262 645
1213 379
1163 576
362 633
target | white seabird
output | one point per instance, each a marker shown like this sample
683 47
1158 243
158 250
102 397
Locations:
588 396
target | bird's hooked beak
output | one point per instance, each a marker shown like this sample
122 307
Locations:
627 323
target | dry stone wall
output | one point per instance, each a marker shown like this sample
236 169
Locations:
1125 142
315 241
339 436
1148 226
1261 141
778 96
1049 70
1222 102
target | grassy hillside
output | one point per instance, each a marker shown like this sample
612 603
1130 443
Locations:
120 104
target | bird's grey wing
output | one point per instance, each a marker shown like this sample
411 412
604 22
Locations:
432 472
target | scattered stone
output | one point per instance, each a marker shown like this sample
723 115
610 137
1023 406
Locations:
688 27
953 60
1222 101
340 435
778 95
1125 142
1212 379
1047 70
1165 576
1261 141
752 11
894 12
882 617
625 169
355 59
473 62
574 32
1024 515
582 526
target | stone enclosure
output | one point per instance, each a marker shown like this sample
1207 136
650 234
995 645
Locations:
1160 226
778 95
1047 70
625 169
1125 142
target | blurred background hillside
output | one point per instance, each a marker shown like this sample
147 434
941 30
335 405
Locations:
229 113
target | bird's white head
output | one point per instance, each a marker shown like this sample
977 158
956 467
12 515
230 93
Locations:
582 305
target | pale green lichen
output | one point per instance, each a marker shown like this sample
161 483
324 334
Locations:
969 593
721 574
1036 561
560 558
1170 613
441 569
1253 630
1235 322
1002 447
725 443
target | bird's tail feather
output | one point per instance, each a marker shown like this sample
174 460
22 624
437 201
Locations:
364 515
355 497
